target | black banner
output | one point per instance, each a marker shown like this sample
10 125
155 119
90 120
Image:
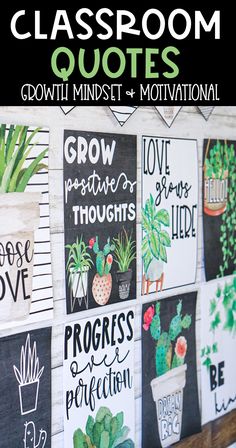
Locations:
116 55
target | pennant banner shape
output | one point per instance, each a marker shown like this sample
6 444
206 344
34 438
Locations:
168 113
218 364
67 109
98 372
169 373
123 113
206 111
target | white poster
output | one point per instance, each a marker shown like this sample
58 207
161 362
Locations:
26 293
169 212
99 382
218 340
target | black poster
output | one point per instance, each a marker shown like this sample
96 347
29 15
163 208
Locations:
100 218
25 390
169 375
219 207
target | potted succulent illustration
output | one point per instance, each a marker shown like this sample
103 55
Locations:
19 211
102 282
28 376
124 254
78 264
218 159
171 348
105 431
155 241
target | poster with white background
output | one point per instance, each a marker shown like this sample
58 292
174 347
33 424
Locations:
218 340
99 381
169 212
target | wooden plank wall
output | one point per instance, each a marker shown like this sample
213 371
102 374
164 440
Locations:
189 124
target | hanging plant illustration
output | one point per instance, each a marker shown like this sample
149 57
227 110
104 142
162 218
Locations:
102 282
105 431
170 351
218 159
228 226
28 376
155 241
224 297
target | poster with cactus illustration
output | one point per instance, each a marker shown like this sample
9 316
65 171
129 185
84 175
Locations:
169 213
218 339
169 375
25 263
99 219
219 207
25 389
98 372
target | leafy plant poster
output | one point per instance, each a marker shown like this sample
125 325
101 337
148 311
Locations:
169 377
98 376
25 389
169 213
218 336
219 207
100 218
26 294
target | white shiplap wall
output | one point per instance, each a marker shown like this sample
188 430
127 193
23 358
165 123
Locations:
189 124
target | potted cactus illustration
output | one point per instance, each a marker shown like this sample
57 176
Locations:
30 440
78 264
124 254
102 282
105 431
218 159
28 376
167 387
19 211
155 241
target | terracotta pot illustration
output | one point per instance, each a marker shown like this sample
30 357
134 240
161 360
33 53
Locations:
19 219
167 392
124 279
28 394
215 194
101 288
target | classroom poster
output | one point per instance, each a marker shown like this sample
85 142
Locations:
169 376
98 373
26 294
100 218
169 213
218 338
219 205
25 390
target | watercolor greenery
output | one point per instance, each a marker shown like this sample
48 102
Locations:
156 238
105 431
225 297
15 148
228 226
124 252
166 358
